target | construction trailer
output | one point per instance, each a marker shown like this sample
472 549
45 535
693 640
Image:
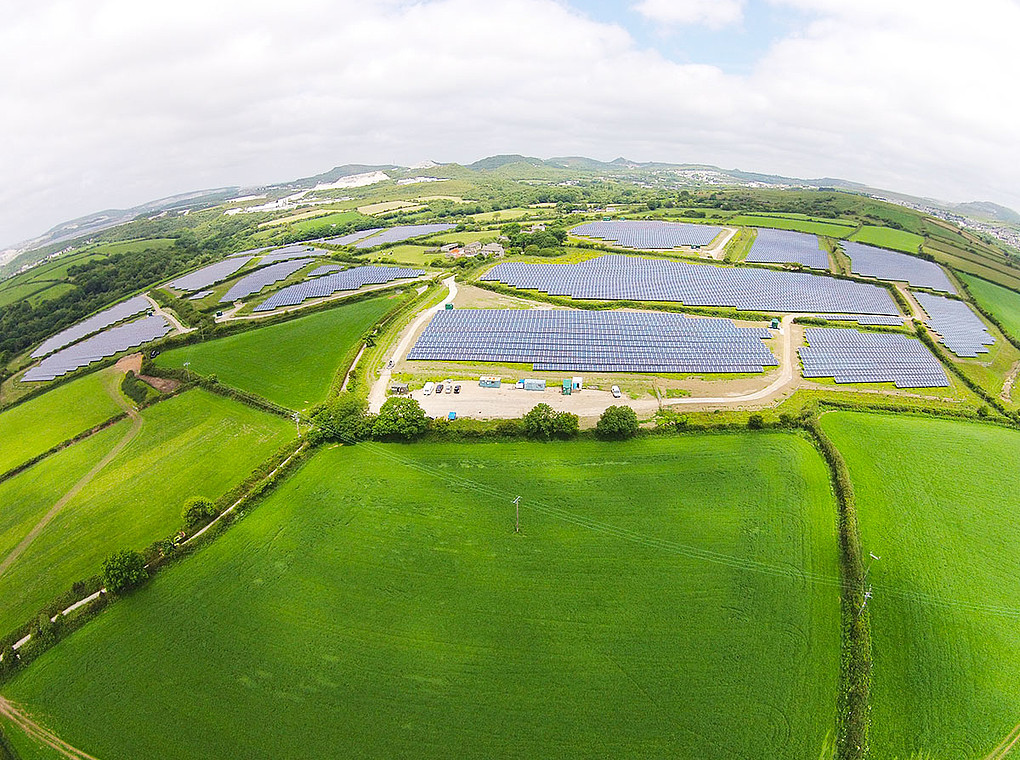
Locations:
489 381
532 384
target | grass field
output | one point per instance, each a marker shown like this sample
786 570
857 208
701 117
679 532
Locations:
379 604
1002 303
292 363
196 444
338 219
938 503
897 240
831 229
36 426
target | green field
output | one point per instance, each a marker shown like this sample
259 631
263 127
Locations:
937 501
31 428
332 220
292 363
196 444
831 229
1000 302
897 240
379 604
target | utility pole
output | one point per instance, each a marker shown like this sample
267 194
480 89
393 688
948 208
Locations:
187 371
517 504
872 562
867 597
297 425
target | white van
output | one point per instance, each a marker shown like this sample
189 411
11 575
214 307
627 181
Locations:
615 390
428 388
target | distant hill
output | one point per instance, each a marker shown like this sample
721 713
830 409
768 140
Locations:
987 210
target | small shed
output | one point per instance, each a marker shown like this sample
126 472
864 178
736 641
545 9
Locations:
577 383
449 307
567 386
451 416
775 323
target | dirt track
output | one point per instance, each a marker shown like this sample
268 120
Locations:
40 733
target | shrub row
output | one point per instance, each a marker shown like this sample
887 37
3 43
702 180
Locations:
135 389
855 660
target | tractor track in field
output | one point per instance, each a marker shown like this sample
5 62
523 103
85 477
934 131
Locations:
1004 747
136 426
40 733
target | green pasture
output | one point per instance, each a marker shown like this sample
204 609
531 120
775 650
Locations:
37 425
1000 302
812 227
885 237
405 254
657 602
331 220
195 444
937 501
291 363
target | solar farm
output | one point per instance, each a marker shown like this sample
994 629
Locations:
849 356
649 236
595 341
325 269
93 324
868 261
400 234
100 346
352 237
782 247
630 278
209 275
348 279
958 327
289 253
262 278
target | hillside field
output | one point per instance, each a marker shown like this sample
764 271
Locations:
937 501
292 363
195 444
37 425
885 237
665 597
1000 302
831 229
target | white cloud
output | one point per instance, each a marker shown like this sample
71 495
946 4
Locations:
714 14
114 102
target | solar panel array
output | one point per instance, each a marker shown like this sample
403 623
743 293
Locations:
209 275
399 234
352 237
866 319
325 269
958 327
349 279
868 261
783 247
291 252
647 235
850 356
594 341
252 252
93 324
637 279
99 346
200 295
260 278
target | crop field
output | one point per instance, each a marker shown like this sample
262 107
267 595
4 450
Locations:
938 504
831 229
37 425
885 237
1002 303
338 219
195 444
292 363
379 604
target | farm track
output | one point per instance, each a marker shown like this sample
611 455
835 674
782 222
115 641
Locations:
40 733
1007 387
136 426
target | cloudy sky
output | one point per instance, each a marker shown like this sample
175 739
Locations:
110 103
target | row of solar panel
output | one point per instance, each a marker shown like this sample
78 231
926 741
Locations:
958 327
349 279
649 235
400 234
849 356
261 278
868 261
93 324
100 346
784 247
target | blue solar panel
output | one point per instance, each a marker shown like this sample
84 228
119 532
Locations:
325 269
782 247
259 279
99 346
594 341
959 329
868 261
850 356
399 234
349 279
649 235
352 238
291 252
865 319
93 324
748 289
209 275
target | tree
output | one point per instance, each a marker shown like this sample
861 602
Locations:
565 425
617 422
538 423
343 419
756 422
670 419
197 510
401 418
124 570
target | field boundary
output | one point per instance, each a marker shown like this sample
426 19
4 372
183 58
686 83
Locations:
854 707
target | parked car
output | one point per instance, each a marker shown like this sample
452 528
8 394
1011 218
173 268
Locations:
615 390
456 389
449 388
439 388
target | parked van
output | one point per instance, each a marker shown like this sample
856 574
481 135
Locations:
428 388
